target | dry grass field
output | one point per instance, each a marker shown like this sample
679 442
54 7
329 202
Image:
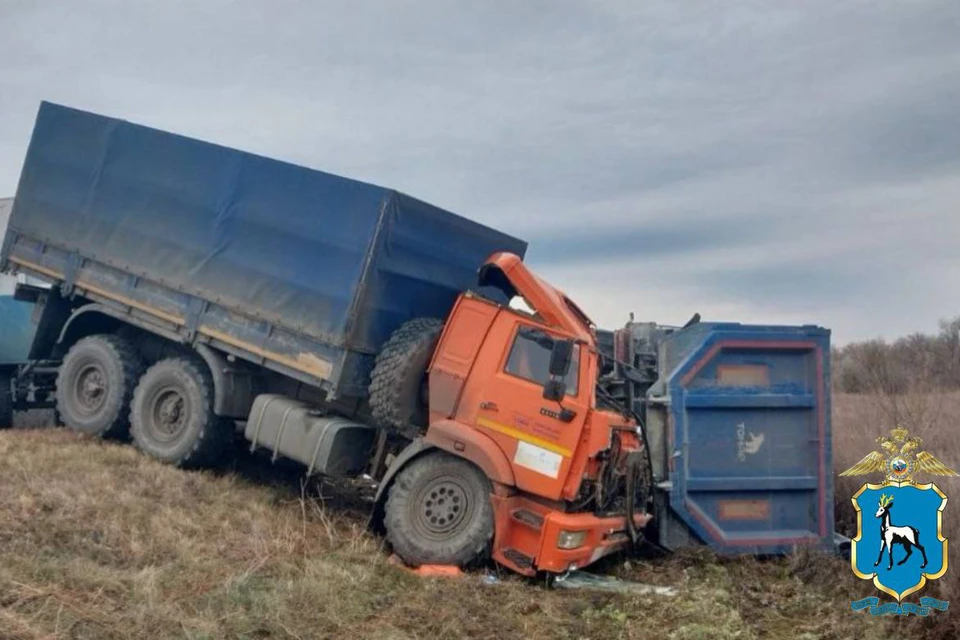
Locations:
98 542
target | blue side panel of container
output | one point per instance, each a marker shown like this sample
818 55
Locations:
16 329
749 410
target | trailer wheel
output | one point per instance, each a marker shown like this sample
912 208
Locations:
398 390
439 512
6 400
171 415
95 383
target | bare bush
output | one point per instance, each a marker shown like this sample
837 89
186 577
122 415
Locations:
918 363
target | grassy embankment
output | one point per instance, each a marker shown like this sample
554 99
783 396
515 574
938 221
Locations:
97 541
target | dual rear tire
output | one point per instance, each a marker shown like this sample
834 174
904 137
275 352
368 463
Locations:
172 418
103 390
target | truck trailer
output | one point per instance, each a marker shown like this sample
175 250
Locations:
198 292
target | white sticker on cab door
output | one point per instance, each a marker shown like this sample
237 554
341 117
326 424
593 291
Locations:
537 458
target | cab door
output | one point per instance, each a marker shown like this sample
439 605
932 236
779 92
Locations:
505 400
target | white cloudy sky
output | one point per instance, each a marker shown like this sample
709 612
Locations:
757 161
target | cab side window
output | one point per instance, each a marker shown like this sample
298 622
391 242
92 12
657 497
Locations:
530 358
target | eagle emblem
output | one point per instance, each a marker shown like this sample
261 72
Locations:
900 460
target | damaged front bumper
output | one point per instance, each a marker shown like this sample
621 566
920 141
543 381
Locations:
531 537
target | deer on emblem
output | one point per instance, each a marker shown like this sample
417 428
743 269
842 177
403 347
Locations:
907 537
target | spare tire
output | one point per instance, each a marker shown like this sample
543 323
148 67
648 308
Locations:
398 392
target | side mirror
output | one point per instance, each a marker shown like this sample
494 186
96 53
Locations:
554 390
560 358
561 355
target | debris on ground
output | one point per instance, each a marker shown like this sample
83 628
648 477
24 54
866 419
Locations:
592 581
428 570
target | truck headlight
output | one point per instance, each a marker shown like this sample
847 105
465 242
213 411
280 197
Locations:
571 539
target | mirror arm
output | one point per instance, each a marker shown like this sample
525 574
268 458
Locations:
566 415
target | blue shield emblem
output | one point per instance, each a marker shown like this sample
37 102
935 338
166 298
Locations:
899 543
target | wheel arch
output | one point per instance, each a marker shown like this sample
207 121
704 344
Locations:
94 318
457 439
234 387
466 442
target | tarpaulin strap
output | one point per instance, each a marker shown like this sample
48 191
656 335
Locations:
70 269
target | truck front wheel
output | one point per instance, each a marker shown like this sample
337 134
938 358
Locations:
171 416
95 383
439 512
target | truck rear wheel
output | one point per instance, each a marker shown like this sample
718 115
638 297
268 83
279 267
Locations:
95 383
398 389
172 417
439 511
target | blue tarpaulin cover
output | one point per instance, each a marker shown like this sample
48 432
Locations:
335 259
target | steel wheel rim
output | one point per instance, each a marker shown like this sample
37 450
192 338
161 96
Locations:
167 411
90 389
442 508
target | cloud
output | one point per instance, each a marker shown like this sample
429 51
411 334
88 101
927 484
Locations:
756 161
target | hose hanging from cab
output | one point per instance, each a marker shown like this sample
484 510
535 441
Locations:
633 469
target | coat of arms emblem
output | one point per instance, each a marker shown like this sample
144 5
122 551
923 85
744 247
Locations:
899 543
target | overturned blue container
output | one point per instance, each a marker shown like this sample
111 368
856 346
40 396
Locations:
739 424
298 270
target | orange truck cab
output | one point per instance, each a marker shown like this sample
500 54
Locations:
512 394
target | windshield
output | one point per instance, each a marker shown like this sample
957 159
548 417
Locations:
530 358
